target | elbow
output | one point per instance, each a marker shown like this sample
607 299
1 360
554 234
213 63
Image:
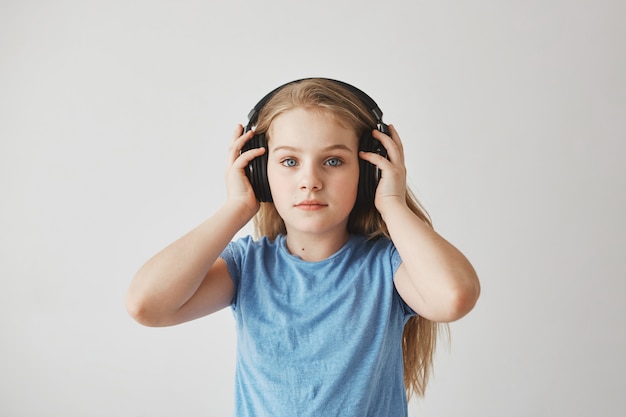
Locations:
139 310
462 300
136 309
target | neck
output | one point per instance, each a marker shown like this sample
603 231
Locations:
313 248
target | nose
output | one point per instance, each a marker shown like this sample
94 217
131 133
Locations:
311 178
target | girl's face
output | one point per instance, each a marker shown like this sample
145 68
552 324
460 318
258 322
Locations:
313 171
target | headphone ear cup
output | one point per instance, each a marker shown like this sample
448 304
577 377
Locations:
369 174
256 171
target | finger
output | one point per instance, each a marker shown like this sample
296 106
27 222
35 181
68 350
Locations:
395 136
246 157
238 131
396 139
240 136
380 161
392 144
238 140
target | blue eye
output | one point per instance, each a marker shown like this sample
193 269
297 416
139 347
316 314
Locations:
334 162
289 162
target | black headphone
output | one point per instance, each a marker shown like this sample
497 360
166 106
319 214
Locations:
369 174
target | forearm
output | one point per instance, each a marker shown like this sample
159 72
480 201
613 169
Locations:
170 278
444 284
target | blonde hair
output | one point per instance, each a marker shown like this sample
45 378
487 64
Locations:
420 335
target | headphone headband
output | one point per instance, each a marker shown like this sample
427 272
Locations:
367 100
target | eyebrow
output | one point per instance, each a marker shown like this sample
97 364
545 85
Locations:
339 146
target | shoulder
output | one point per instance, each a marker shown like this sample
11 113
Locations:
377 249
247 256
248 244
239 254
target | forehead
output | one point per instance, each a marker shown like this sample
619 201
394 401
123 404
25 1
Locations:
310 126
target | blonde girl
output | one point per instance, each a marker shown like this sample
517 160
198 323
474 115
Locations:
338 298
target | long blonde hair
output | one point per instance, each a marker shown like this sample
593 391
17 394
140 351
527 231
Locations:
420 335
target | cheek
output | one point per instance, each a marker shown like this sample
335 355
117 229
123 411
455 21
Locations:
275 180
347 187
351 182
271 174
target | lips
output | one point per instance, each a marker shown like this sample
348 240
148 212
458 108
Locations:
311 205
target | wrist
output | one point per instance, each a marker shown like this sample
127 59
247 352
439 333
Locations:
390 206
240 212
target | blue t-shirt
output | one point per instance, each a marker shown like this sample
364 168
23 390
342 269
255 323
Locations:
317 338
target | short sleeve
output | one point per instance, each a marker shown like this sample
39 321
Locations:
233 255
396 261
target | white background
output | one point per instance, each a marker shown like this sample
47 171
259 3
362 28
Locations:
115 117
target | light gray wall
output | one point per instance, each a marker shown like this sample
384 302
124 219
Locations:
114 122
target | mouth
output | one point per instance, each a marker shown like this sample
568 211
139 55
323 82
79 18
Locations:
310 205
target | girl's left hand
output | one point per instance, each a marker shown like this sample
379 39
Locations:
392 185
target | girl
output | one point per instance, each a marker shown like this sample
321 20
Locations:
337 301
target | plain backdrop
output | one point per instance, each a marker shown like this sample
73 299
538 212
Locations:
115 118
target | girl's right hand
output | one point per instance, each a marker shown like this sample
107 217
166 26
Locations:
238 186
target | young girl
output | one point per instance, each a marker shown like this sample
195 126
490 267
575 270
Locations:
337 301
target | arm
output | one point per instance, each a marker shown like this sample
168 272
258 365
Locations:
435 279
187 279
